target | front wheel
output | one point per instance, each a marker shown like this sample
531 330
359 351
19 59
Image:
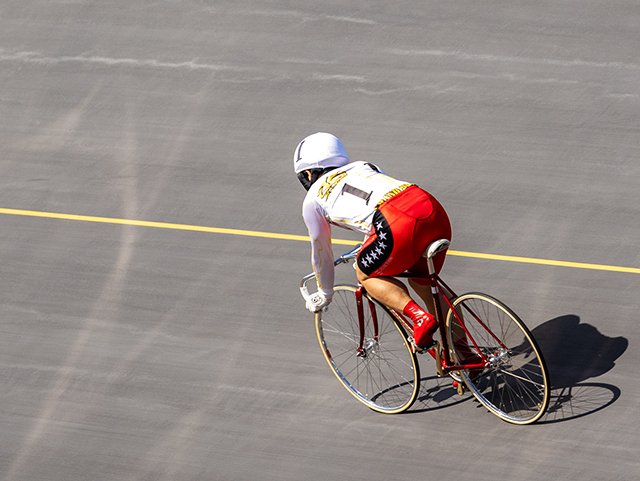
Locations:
380 369
514 385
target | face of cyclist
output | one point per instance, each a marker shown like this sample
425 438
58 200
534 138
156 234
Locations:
306 178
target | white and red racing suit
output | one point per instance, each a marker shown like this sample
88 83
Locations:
398 219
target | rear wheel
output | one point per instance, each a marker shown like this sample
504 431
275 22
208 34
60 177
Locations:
384 374
514 385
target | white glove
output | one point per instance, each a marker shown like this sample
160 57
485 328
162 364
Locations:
318 301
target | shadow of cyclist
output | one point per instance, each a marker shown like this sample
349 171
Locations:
574 353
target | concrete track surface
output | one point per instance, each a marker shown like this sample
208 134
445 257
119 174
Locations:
138 352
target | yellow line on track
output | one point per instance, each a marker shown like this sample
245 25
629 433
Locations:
273 235
545 262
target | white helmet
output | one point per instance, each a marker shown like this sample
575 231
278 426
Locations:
319 151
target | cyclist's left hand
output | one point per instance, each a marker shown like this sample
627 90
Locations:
318 301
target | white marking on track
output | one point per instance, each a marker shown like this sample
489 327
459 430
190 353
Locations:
36 58
503 58
304 16
353 20
341 78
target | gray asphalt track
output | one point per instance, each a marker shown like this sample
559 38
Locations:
132 352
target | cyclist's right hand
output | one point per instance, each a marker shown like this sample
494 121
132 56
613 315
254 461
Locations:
317 301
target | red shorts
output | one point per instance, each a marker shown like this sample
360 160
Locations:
404 226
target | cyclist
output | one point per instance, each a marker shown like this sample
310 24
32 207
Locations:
398 219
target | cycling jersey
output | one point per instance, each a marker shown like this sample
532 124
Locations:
349 197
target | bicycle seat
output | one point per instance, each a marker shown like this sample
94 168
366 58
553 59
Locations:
435 247
432 249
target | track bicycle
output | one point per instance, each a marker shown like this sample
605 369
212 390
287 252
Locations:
484 347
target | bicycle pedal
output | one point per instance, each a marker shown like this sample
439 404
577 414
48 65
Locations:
422 350
460 386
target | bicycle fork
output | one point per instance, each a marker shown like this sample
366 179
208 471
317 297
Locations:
362 348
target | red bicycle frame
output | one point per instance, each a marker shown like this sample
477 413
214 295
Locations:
444 362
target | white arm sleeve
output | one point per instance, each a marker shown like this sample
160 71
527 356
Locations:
321 251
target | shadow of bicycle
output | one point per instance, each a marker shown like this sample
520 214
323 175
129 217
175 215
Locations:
574 353
436 393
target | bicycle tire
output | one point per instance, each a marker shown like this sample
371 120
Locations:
515 386
387 377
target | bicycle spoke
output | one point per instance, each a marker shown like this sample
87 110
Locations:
522 378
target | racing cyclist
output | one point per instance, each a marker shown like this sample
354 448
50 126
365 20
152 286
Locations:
398 219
